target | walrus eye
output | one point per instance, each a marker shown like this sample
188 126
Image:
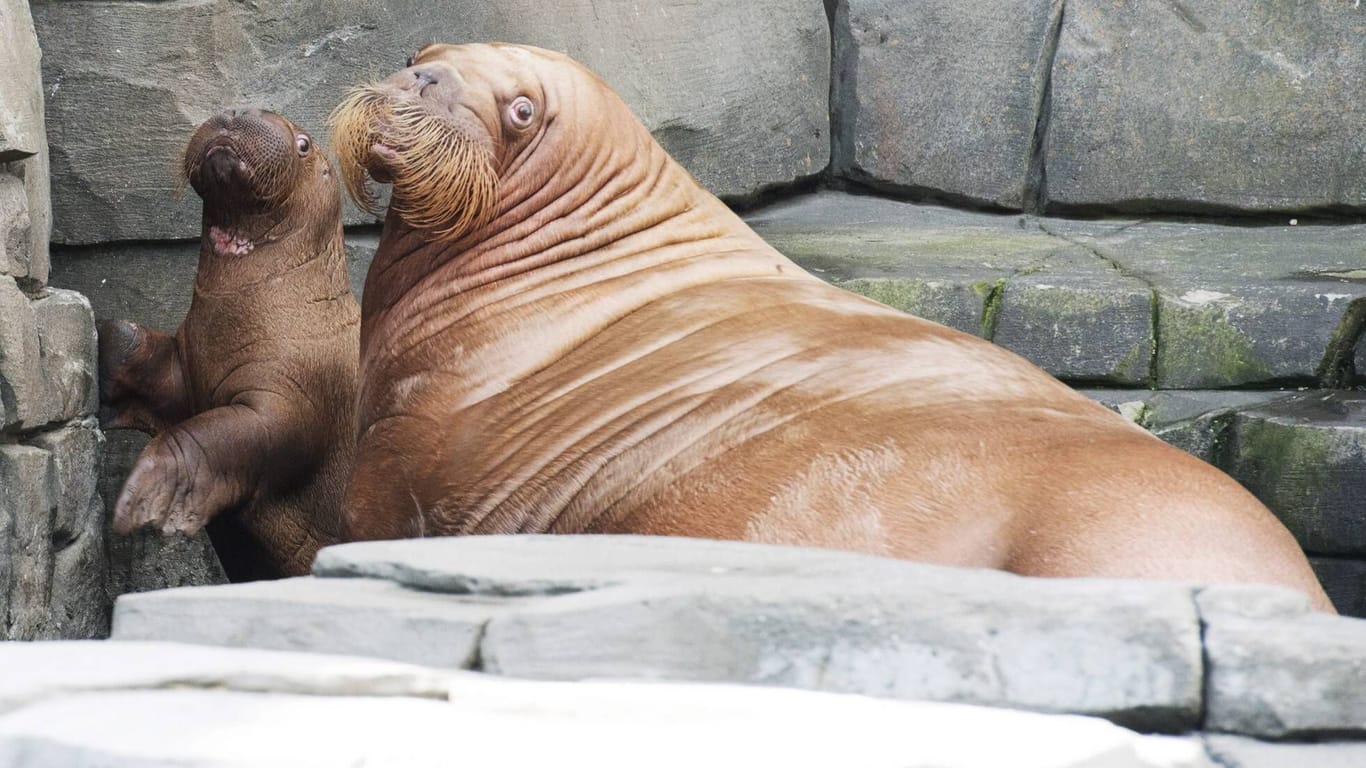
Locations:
412 58
302 144
521 111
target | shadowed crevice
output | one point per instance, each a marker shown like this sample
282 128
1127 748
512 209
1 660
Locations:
1338 370
1036 182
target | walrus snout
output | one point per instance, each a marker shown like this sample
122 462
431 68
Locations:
236 154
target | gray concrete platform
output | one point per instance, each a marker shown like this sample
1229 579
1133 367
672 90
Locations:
1158 657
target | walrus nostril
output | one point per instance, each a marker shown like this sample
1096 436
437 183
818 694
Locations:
423 78
223 166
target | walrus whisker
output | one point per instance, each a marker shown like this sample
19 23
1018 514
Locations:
443 181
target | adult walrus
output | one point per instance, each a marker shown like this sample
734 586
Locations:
563 332
252 401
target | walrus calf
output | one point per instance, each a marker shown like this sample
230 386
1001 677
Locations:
252 401
563 332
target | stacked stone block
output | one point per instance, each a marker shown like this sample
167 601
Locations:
53 568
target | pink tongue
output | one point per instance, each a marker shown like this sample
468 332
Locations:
228 244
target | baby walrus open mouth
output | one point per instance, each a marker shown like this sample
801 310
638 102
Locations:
250 402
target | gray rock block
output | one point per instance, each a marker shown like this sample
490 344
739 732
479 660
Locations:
1305 458
79 605
21 92
22 386
746 110
149 283
1275 672
1080 321
145 560
1239 752
23 138
36 671
134 704
361 617
66 340
15 227
1237 305
941 97
999 277
1196 421
1223 106
26 507
703 610
1344 581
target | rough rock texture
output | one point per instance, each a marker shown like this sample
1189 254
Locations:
941 97
1236 306
1196 421
1345 582
25 529
78 602
22 386
738 92
1191 106
364 617
1305 457
1000 277
1275 671
23 145
1244 659
1239 752
583 607
137 704
1175 305
67 355
53 566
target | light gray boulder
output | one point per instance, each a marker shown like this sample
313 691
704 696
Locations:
135 704
1276 671
1241 752
362 617
727 611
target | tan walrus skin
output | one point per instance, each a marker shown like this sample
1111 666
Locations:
563 332
252 401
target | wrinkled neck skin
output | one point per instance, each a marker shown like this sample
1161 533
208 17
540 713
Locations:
588 229
280 319
280 247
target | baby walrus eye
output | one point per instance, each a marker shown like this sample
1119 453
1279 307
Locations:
303 144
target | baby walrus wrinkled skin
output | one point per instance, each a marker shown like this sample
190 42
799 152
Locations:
251 402
564 333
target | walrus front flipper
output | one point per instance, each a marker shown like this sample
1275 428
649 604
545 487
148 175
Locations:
210 463
142 384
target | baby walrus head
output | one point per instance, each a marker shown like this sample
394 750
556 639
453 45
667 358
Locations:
260 177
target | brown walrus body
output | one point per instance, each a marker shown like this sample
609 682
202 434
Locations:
563 332
252 401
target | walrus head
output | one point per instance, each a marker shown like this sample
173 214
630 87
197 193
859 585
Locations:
444 131
254 170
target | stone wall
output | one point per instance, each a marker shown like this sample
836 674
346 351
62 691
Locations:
52 542
1181 107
